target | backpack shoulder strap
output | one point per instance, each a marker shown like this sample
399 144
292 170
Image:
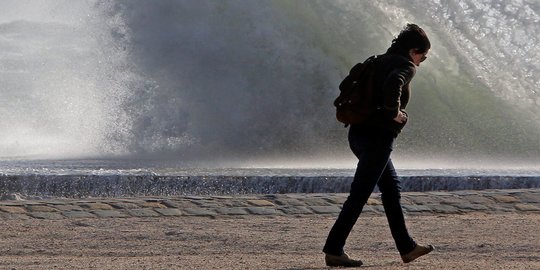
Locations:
356 71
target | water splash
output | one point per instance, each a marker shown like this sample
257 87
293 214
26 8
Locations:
63 80
240 80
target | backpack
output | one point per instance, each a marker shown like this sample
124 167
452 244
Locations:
355 102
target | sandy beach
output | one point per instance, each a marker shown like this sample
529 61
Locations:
467 241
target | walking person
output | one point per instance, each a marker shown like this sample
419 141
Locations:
372 143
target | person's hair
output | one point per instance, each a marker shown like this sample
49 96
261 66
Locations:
411 37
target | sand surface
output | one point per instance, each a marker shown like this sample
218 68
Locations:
471 241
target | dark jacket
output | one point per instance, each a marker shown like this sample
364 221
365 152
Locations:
393 74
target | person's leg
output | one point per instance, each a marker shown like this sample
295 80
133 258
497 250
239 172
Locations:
373 151
390 188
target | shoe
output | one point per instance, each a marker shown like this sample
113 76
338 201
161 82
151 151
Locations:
343 261
417 252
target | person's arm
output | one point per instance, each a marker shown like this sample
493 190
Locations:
392 89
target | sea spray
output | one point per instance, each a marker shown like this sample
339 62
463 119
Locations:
64 80
243 80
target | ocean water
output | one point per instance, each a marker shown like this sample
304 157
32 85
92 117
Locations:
241 80
120 97
119 178
114 167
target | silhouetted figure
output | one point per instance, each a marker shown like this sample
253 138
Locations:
372 142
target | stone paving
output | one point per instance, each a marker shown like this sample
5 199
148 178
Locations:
414 203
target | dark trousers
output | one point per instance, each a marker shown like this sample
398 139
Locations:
372 147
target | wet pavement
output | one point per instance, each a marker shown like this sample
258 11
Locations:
292 204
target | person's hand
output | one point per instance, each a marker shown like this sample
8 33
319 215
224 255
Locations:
401 117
